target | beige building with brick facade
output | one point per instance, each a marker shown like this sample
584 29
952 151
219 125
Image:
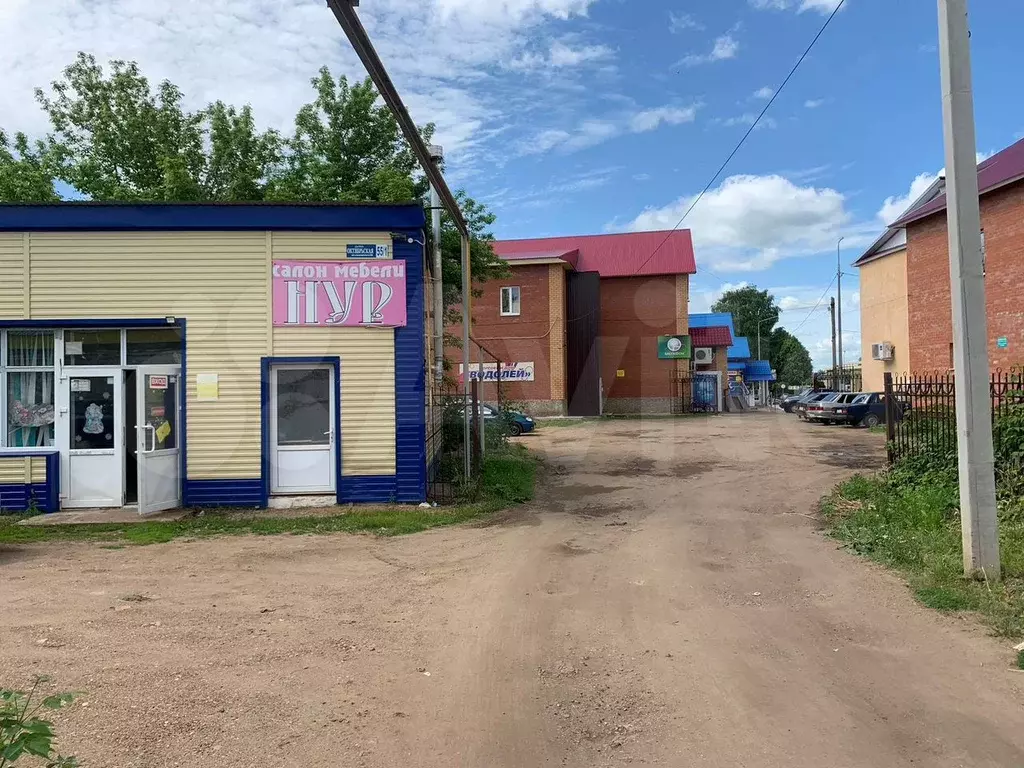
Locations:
905 277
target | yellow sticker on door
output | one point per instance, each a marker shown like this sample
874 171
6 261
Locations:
620 374
163 431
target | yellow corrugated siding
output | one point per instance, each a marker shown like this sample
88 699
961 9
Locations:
12 276
367 361
217 280
367 390
38 469
12 470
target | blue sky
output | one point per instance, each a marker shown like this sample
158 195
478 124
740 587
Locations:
584 116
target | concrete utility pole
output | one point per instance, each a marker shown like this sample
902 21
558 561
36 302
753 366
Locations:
970 325
839 307
832 314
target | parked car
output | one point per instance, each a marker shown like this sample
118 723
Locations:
789 402
868 410
800 408
827 411
518 423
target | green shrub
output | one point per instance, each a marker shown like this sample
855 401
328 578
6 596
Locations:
23 733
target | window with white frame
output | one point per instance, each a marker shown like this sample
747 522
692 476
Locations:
510 301
27 380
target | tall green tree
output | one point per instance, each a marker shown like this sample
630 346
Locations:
113 137
347 146
751 308
791 360
24 173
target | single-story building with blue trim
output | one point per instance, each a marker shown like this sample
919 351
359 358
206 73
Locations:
165 355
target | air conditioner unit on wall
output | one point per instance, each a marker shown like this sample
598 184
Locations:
882 351
703 355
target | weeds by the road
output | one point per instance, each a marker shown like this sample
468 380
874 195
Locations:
1020 659
909 520
506 479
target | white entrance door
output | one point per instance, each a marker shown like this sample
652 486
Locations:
95 438
158 397
302 440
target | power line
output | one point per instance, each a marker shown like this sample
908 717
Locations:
743 140
823 295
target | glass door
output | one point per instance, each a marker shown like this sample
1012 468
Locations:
157 438
95 438
302 439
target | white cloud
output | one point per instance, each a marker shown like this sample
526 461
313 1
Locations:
821 6
561 55
748 118
725 47
814 103
789 303
896 206
751 222
764 93
651 119
680 22
641 177
264 52
702 299
594 131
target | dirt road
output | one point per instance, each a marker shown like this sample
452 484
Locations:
667 601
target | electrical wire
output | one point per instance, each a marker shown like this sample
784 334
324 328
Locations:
743 140
823 295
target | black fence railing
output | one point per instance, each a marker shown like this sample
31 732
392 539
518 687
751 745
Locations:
849 378
446 409
921 411
695 392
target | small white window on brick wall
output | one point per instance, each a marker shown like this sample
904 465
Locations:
510 301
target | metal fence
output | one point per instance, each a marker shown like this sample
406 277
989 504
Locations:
849 378
921 411
694 392
447 406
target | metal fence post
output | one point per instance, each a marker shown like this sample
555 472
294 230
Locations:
890 417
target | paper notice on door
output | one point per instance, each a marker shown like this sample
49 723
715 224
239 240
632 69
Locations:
207 386
72 347
163 431
81 385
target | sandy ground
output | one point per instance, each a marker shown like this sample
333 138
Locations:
667 601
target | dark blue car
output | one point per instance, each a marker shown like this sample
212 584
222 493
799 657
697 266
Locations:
867 410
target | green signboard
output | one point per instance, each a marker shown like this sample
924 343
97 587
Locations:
674 347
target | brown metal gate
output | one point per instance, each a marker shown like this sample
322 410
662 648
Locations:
583 345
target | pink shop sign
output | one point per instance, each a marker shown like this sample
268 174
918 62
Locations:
339 293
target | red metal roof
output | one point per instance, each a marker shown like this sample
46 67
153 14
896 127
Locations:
999 170
621 255
715 336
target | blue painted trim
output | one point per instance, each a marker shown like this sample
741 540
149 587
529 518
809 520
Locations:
98 323
19 496
64 217
410 385
377 489
265 365
224 493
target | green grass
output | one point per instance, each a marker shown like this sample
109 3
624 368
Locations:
914 527
506 480
878 430
1020 659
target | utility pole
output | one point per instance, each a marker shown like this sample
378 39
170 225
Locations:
839 307
978 519
832 315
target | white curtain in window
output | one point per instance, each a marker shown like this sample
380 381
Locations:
30 411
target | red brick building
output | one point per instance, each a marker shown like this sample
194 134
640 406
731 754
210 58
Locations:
1001 185
585 314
